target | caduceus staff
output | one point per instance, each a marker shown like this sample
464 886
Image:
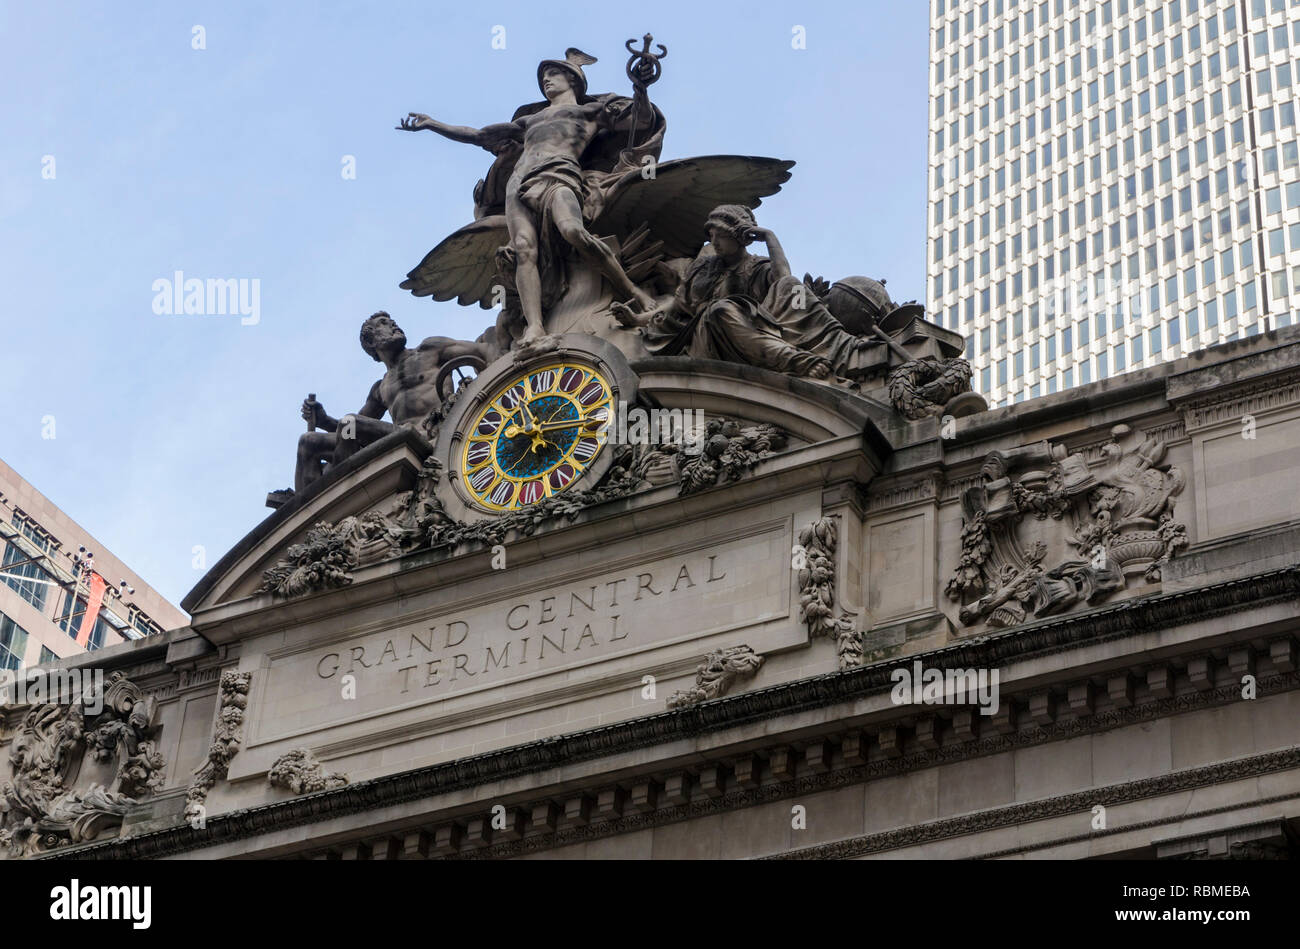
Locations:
643 70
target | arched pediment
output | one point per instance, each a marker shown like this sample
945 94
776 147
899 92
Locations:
353 513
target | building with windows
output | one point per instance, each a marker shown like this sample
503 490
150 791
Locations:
1113 184
43 596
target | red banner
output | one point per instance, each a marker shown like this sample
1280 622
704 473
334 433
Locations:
97 586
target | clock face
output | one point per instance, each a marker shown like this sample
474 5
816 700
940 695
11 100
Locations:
536 436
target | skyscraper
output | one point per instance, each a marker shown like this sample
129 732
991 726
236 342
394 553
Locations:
1112 183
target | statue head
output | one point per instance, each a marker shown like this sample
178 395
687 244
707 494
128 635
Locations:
380 333
555 76
730 222
555 81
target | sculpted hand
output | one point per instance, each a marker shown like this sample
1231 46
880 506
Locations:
414 122
820 369
625 316
313 411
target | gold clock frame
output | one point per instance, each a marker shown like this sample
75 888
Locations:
458 433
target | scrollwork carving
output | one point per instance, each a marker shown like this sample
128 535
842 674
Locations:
300 772
715 676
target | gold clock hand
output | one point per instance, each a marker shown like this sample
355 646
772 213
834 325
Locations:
514 430
554 426
529 426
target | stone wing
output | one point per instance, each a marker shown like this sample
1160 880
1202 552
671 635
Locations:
463 266
678 199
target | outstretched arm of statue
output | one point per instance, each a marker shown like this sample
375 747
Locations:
774 251
489 137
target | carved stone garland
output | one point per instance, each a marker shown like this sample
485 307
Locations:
415 520
815 560
921 388
227 736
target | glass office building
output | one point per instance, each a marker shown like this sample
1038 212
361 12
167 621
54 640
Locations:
1112 183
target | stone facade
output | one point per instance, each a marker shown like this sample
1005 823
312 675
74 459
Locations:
657 671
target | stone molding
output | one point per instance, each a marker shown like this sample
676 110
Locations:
832 779
1170 433
1080 803
926 486
1232 402
327 557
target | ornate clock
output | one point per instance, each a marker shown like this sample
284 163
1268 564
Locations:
537 435
523 432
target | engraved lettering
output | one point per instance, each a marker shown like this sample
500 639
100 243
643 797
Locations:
328 655
456 622
643 581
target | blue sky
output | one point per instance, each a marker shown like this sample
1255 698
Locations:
225 162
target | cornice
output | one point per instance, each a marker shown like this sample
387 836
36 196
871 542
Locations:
1080 802
1122 620
1230 402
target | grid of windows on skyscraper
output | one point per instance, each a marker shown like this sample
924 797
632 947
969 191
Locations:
1112 183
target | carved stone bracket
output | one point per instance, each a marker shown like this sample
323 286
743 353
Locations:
42 807
300 772
715 676
227 736
1040 505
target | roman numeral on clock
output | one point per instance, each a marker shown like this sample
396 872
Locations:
480 479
